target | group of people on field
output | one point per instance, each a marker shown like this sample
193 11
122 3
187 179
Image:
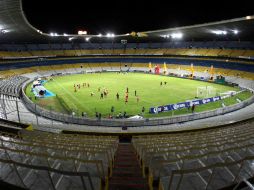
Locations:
161 83
104 93
127 95
78 86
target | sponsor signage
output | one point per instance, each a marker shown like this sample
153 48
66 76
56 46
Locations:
183 105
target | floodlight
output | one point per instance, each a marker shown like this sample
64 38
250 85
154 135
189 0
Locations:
248 17
176 35
110 35
53 34
87 39
4 31
219 32
165 36
235 31
82 32
39 31
99 35
65 34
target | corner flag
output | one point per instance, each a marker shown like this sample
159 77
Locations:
192 70
165 68
212 72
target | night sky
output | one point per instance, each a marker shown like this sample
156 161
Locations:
126 16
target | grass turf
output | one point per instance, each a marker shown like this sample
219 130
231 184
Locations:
148 88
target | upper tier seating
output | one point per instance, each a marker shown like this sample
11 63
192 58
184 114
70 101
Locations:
38 160
199 48
169 51
211 159
163 45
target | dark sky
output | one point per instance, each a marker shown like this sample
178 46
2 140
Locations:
122 16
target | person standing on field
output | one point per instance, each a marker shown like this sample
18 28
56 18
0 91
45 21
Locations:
143 110
193 108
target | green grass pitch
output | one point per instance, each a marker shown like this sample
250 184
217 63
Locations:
148 88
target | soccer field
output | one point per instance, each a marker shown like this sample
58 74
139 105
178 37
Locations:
148 87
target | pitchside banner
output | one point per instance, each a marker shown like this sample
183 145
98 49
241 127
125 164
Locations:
183 105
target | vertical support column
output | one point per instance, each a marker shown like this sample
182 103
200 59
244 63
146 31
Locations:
51 180
20 178
81 177
238 174
210 178
4 109
90 182
36 116
17 107
51 117
37 120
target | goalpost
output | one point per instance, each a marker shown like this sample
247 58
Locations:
206 92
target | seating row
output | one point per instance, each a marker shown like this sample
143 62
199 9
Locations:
211 159
40 160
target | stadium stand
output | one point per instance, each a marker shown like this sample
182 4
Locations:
214 49
38 160
12 86
234 64
43 153
80 52
206 159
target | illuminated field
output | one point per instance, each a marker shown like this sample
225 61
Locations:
148 87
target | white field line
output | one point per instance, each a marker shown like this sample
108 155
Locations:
73 97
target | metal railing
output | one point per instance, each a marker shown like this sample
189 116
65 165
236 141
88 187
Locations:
85 178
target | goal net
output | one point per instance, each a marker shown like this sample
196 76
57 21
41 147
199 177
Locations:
206 92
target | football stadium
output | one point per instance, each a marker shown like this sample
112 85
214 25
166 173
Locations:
166 109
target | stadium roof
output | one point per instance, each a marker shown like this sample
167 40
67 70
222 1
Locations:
14 28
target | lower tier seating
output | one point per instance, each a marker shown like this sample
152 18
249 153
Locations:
39 160
207 159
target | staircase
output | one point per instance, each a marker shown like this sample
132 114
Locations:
127 173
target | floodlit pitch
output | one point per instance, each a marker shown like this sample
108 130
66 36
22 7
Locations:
74 95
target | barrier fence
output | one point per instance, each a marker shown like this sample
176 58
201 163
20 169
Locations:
126 122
